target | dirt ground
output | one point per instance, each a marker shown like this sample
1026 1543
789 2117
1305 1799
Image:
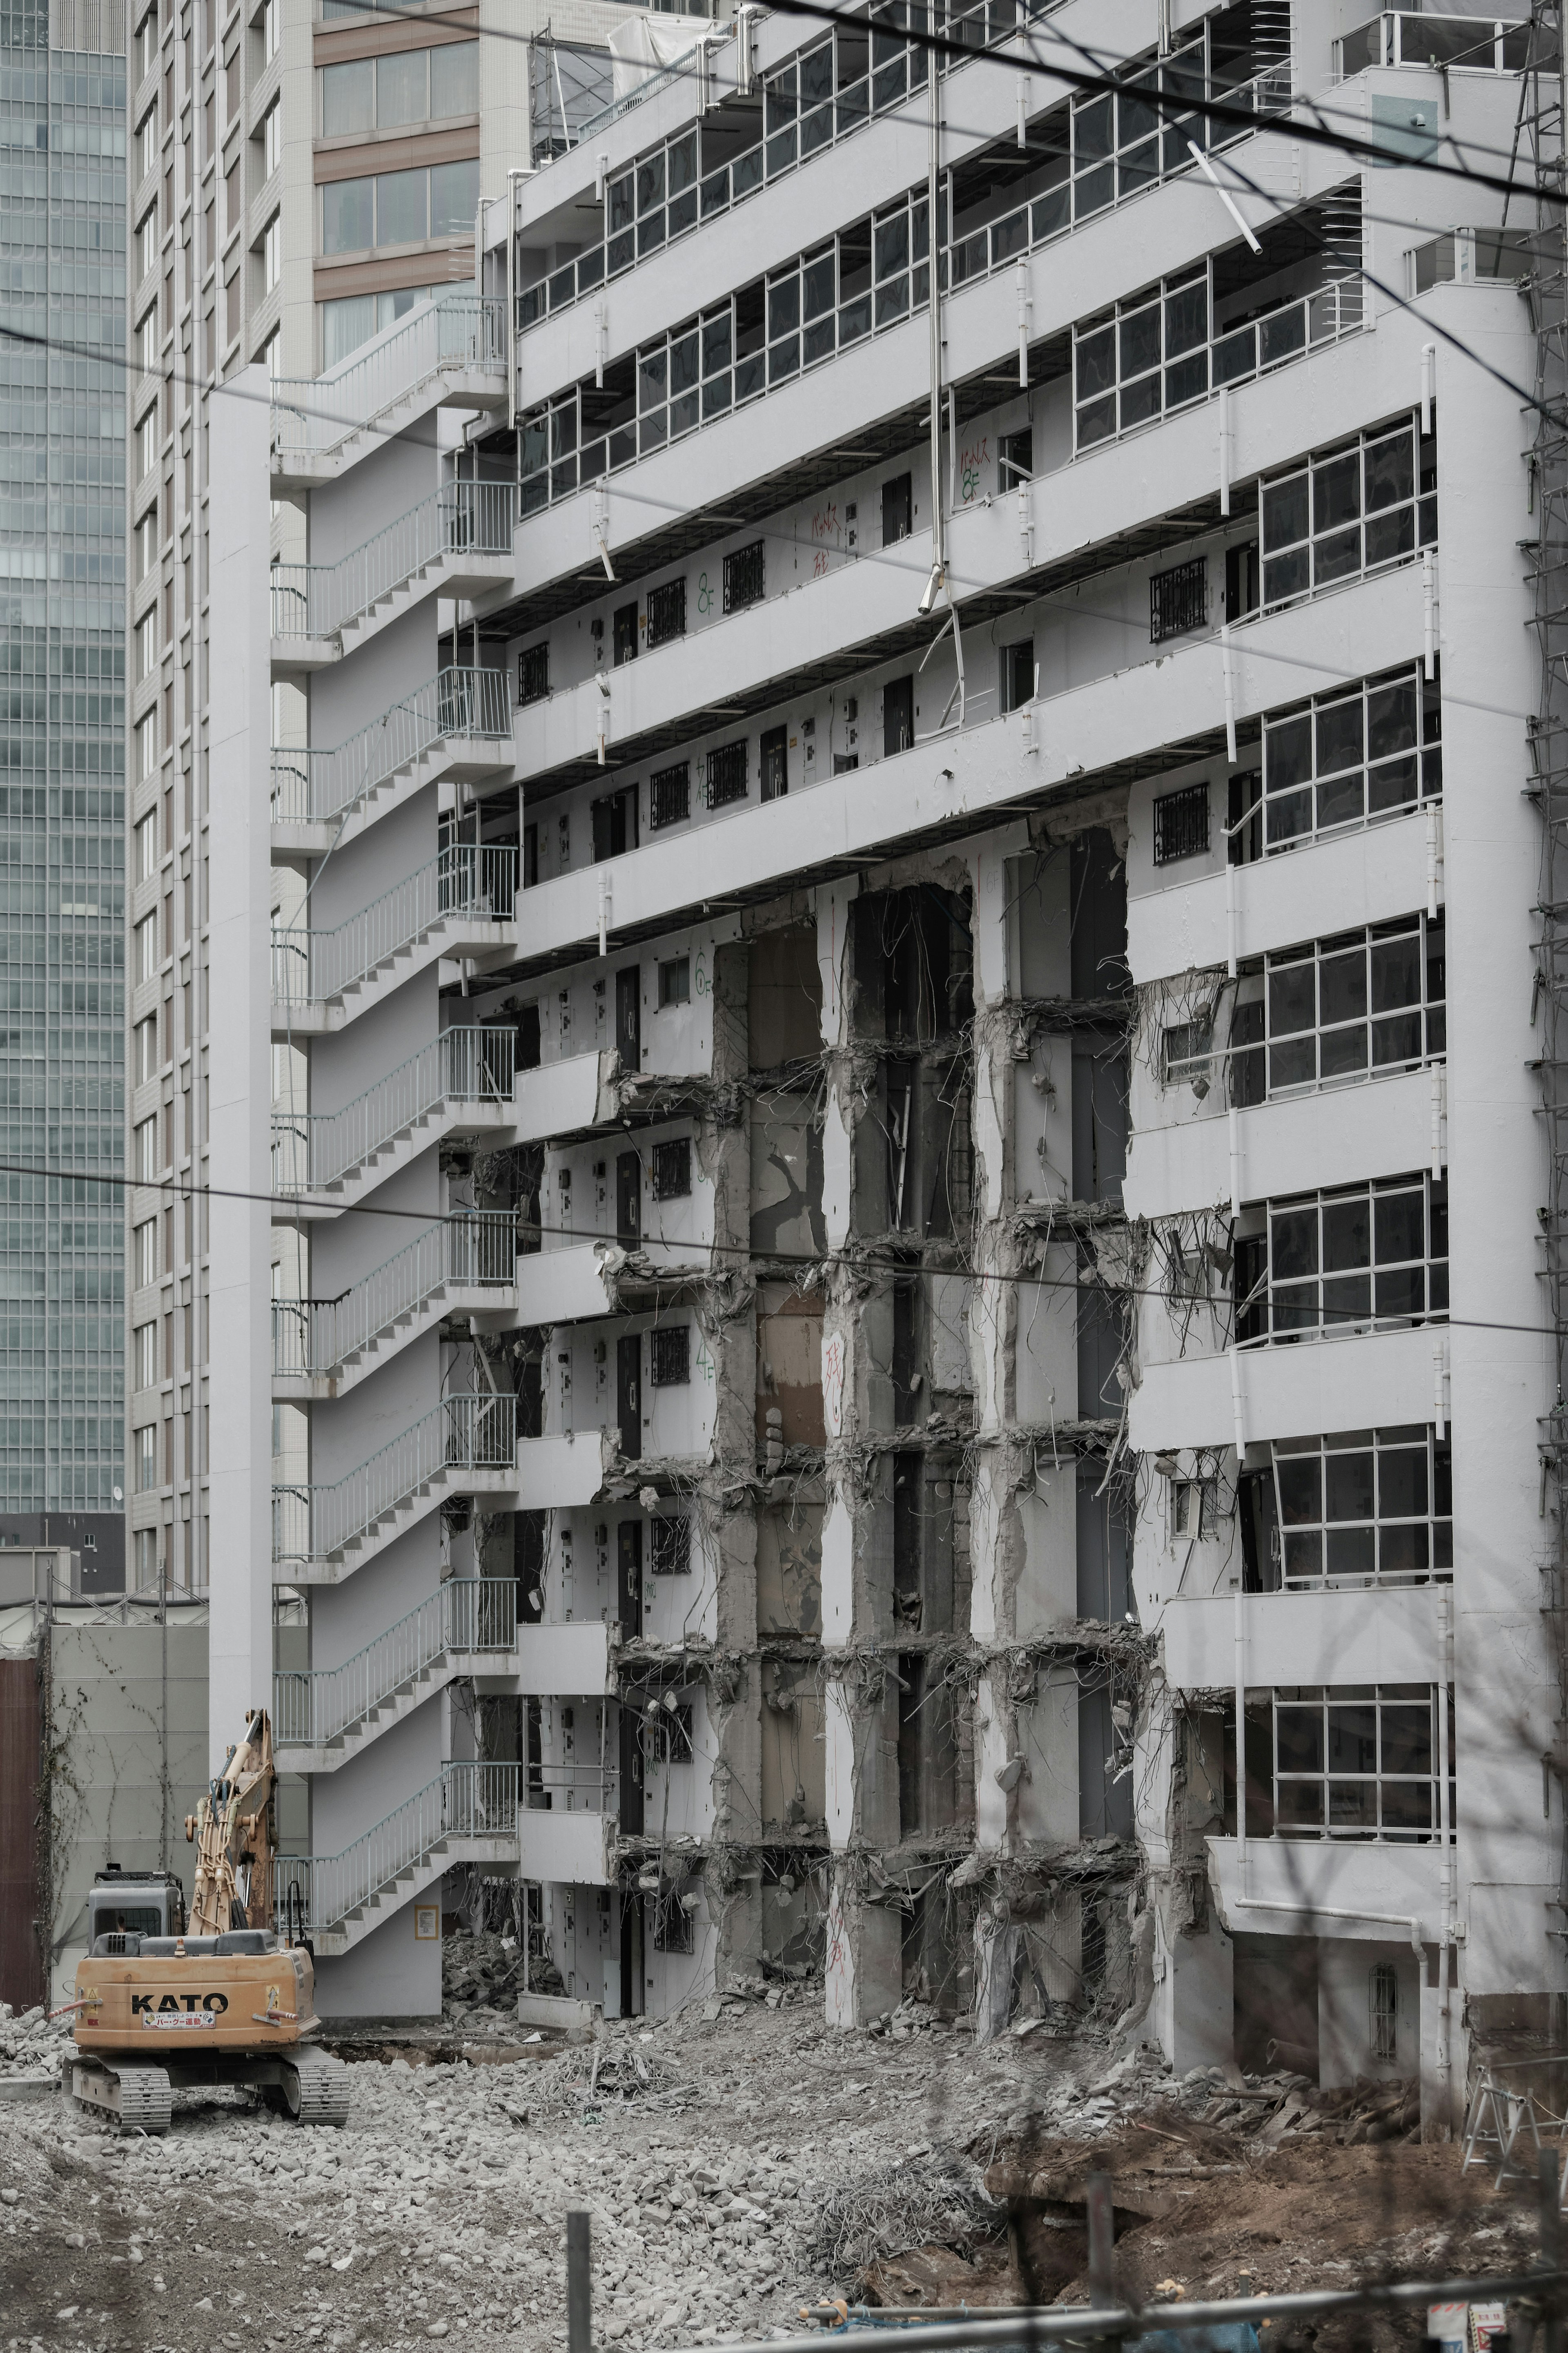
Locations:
740 2164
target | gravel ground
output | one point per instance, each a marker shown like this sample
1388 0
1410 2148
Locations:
705 2148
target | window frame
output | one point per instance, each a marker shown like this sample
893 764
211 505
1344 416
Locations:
1272 1299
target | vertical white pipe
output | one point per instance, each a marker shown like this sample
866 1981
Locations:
1229 691
1023 326
1240 1671
1428 614
1225 450
1428 384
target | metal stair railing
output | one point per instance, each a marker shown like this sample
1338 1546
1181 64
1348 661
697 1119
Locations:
466 1801
314 788
317 600
475 1430
468 1614
310 1149
314 416
310 966
311 1337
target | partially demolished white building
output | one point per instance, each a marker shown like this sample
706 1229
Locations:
926 916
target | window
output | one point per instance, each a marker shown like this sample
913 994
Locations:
1148 355
672 1731
670 796
1348 511
613 818
146 1352
146 444
1339 1008
402 207
898 716
1350 1259
147 848
272 24
727 774
353 318
672 1168
625 627
1346 759
147 643
348 97
533 673
147 745
1193 1509
671 1547
1359 1763
146 1253
146 947
666 612
669 1355
348 216
454 197
147 341
146 542
402 88
1362 1507
147 243
147 143
1178 599
1382 2009
774 763
675 981
453 80
1015 459
146 1453
1181 824
743 577
146 44
673 1930
1018 674
271 139
1186 1055
272 252
146 1050
147 1150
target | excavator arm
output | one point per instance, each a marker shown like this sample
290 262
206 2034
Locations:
232 1828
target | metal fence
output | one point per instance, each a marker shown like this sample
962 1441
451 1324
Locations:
316 600
472 1431
315 787
308 966
311 416
468 1614
466 1801
316 1336
310 1149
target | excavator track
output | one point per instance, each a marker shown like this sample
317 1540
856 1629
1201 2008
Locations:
138 2098
315 2089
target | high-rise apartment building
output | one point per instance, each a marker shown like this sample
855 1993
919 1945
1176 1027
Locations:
906 1174
62 251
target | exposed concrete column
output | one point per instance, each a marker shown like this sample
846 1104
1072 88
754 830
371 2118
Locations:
240 1079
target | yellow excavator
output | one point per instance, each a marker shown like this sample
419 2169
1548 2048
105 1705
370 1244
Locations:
220 1999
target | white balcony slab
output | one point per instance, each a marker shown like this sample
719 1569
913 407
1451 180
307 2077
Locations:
552 1472
1366 877
572 1850
559 1098
1383 1894
564 1286
1353 1381
1299 1638
1382 1127
572 1662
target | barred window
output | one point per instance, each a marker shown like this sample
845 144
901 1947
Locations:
1361 1508
1360 1763
727 774
666 612
1178 599
669 1355
743 577
670 796
672 1168
533 673
671 1547
1339 1010
1348 758
1181 824
1349 1260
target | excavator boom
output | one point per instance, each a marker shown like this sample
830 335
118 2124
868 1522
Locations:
232 1826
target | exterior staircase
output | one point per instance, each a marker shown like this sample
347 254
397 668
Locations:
467 1445
457 1266
322 1719
324 1161
450 352
463 903
468 1814
456 543
458 726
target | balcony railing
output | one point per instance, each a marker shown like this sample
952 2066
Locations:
469 1800
312 1337
316 600
468 1614
472 1431
312 417
315 787
310 966
571 1789
1480 43
310 1149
